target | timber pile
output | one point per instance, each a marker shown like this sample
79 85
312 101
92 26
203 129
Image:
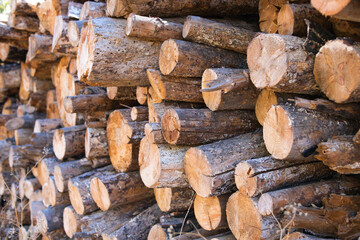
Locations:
184 125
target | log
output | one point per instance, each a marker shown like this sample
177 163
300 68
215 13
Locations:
152 28
30 186
306 194
46 125
139 113
40 48
92 10
138 227
293 133
11 54
210 168
300 235
200 126
153 133
69 142
346 202
211 212
174 199
346 10
177 57
347 29
339 84
94 59
175 88
25 156
268 13
286 65
120 8
10 76
22 136
24 23
67 170
48 10
257 176
74 30
60 36
141 95
50 219
41 140
96 144
13 37
340 154
217 34
37 100
121 93
54 235
228 89
24 7
74 10
162 165
51 196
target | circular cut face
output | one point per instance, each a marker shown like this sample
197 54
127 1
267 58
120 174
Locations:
286 20
59 143
75 198
157 233
170 126
70 223
267 60
265 100
244 183
169 56
211 99
58 177
207 212
278 132
86 51
150 165
100 194
329 7
163 198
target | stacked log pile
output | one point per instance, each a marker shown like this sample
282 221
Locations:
198 122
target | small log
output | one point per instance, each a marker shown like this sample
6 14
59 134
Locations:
91 10
24 23
13 37
346 10
200 126
174 199
216 34
22 136
141 95
339 83
24 156
210 172
256 176
153 29
162 165
46 125
30 186
40 48
177 56
60 36
139 113
66 170
45 168
74 30
74 10
41 140
131 71
284 66
121 93
306 194
50 219
96 144
228 89
11 54
51 196
128 188
175 88
10 76
153 133
69 142
211 212
293 133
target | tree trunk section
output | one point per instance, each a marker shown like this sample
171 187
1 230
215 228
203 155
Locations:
346 10
69 142
92 10
174 199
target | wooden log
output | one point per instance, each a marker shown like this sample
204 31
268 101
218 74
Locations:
138 227
24 156
96 144
13 37
30 186
47 125
51 196
131 71
334 80
74 10
175 88
268 12
45 168
210 172
346 202
48 10
66 170
37 100
347 29
139 113
41 140
260 175
211 212
60 36
121 93
11 54
22 136
228 89
40 48
122 8
200 126
162 165
141 95
306 194
69 142
91 10
74 30
10 76
54 235
153 133
24 23
217 34
174 199
52 109
300 235
177 56
24 7
346 10
50 219
292 133
151 28
294 66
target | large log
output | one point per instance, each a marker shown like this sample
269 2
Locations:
162 165
96 49
228 89
280 63
174 199
293 133
200 126
69 142
48 10
91 10
177 57
347 10
11 54
339 83
210 168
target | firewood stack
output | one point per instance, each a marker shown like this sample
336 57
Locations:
180 120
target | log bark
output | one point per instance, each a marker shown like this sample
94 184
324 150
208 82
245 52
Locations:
121 93
51 196
74 10
174 199
44 169
50 219
306 194
24 7
153 29
153 133
11 54
24 23
284 66
25 156
92 10
22 136
256 176
41 139
96 143
47 125
69 142
94 59
177 57
30 186
346 10
74 30
293 133
228 89
112 189
175 88
200 126
40 48
162 165
13 37
339 83
210 168
347 29
139 113
217 34
141 95
10 76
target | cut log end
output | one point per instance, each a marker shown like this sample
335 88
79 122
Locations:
265 205
41 222
268 19
149 161
265 100
329 7
116 8
208 212
85 56
28 189
246 185
73 33
286 20
169 56
129 24
48 193
121 156
157 233
70 223
100 194
75 198
170 126
111 92
278 132
163 198
211 99
59 144
59 180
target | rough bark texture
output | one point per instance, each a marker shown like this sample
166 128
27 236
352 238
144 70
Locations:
91 10
121 93
153 133
13 37
25 23
24 7
50 219
174 199
46 125
96 143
